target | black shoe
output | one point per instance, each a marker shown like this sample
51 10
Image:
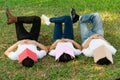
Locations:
117 79
75 17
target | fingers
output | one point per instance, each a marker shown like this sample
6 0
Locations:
95 36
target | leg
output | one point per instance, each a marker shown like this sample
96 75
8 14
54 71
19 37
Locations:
20 30
58 27
68 31
35 30
60 19
68 28
22 33
96 21
97 25
57 31
84 29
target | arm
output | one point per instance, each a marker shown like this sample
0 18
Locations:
94 36
54 44
11 48
74 43
39 45
104 40
87 43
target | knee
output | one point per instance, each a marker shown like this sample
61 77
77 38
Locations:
37 18
97 15
68 17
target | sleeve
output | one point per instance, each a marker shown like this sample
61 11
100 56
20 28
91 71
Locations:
13 56
77 52
112 49
52 53
41 54
87 52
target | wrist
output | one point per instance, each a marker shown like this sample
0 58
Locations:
19 42
57 41
72 41
91 38
35 42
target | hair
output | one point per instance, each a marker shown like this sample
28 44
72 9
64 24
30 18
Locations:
28 62
103 61
65 58
117 79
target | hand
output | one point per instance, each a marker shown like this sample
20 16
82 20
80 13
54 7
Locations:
59 40
67 40
27 41
95 36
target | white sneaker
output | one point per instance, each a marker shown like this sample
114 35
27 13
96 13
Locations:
80 18
46 19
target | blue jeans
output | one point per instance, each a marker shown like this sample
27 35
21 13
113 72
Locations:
97 25
68 27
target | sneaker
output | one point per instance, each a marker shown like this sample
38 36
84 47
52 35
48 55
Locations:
75 17
46 19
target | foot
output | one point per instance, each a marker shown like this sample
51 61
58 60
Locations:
75 17
10 18
46 19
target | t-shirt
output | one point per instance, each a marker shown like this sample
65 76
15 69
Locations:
95 43
21 47
69 44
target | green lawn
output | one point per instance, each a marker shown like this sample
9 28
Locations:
81 68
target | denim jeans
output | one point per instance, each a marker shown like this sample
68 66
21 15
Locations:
68 27
97 25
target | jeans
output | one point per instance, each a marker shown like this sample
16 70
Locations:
97 25
22 33
68 27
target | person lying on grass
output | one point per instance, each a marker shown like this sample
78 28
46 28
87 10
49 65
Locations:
64 48
27 52
93 39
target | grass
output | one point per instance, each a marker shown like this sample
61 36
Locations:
82 68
